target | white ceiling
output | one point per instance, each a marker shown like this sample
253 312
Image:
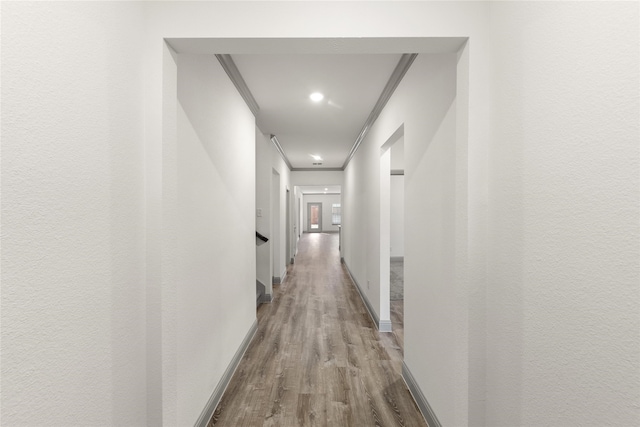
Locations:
281 85
286 69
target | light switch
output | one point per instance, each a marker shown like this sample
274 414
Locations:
259 212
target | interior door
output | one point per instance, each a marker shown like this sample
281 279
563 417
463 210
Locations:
314 217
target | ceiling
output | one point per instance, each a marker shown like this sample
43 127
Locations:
281 85
281 72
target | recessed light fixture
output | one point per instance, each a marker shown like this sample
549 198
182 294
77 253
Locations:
326 189
316 157
316 97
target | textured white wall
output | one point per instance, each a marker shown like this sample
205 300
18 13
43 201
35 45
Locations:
556 333
73 329
327 201
563 311
215 287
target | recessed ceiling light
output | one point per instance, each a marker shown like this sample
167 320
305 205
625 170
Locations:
316 97
326 189
315 157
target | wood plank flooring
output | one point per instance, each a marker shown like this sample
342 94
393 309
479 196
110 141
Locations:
317 359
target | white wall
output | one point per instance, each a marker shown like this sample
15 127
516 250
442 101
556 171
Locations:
546 307
327 202
276 238
397 200
419 20
424 104
216 267
271 198
73 297
397 215
263 202
563 308
282 169
317 177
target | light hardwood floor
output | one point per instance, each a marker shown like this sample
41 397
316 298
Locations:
317 359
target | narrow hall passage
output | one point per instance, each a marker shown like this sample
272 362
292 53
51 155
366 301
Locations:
317 358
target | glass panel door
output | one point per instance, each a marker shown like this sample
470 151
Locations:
314 217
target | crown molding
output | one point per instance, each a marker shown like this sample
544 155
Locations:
317 170
321 194
234 74
275 142
398 73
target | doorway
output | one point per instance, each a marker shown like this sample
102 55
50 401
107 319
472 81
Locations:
392 232
276 265
288 254
314 217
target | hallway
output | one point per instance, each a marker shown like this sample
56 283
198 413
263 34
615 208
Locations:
316 358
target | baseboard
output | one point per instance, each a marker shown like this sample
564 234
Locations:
207 413
397 258
385 326
266 298
418 396
382 326
260 292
